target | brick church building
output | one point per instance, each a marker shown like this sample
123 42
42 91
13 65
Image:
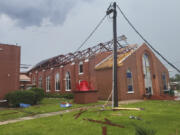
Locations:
9 68
140 72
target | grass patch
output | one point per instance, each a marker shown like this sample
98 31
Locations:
160 116
45 106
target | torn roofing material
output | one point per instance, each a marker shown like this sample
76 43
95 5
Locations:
123 53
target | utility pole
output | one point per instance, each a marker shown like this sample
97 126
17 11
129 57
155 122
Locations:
112 9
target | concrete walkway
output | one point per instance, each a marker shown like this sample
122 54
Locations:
60 112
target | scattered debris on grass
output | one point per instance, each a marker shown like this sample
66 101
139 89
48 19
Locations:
65 105
121 108
22 105
79 113
134 117
107 122
104 130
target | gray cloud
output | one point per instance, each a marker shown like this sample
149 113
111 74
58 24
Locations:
33 12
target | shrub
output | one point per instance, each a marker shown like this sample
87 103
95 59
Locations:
39 94
58 95
68 96
16 97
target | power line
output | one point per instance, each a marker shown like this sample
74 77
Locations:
146 40
94 30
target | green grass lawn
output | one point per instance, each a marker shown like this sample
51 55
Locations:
162 116
46 105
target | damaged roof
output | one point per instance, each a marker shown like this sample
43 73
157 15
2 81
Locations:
123 53
78 55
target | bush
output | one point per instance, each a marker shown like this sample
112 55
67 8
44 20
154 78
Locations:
58 95
32 96
39 94
68 96
16 97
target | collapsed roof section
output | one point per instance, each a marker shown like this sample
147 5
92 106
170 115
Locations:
123 53
62 60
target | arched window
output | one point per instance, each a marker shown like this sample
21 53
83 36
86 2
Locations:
34 80
68 81
164 81
48 84
40 82
129 81
81 67
147 74
57 82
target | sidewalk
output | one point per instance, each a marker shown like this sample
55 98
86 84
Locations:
45 115
60 112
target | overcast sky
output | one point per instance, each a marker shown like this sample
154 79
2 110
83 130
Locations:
45 28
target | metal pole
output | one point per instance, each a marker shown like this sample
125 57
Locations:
115 89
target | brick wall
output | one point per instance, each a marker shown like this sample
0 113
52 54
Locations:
101 80
9 68
134 63
73 69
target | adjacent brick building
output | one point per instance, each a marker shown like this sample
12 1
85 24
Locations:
9 68
139 72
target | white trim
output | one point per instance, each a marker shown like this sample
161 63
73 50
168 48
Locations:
67 81
130 92
132 80
134 50
73 63
126 56
57 90
86 60
48 83
103 61
55 82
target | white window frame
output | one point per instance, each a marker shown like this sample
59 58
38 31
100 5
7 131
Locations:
40 82
81 64
57 80
48 85
34 80
129 70
67 81
164 81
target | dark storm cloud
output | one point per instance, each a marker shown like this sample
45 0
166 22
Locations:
33 12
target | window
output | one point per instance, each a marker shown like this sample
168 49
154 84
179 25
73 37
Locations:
57 82
147 74
68 81
129 81
48 86
40 82
81 68
164 81
34 80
